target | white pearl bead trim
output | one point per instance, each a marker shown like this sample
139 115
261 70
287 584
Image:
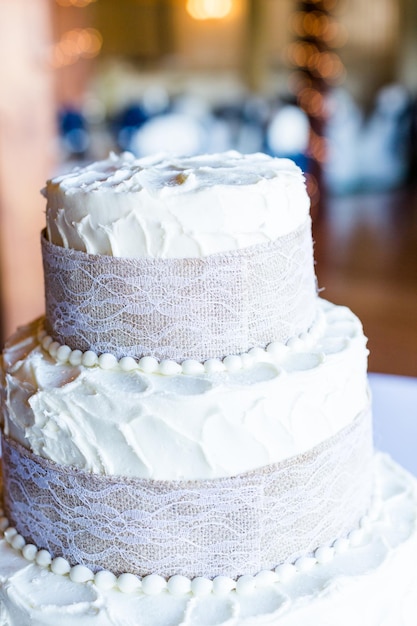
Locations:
275 352
178 585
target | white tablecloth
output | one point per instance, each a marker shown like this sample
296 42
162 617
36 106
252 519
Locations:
394 401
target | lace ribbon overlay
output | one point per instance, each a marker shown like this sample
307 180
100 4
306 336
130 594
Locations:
227 526
180 309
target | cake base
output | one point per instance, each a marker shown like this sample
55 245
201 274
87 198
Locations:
371 584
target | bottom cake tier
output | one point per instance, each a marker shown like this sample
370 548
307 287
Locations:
366 579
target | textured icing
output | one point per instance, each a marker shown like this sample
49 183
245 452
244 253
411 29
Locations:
195 426
372 584
167 207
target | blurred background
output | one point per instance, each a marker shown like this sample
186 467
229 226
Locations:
331 84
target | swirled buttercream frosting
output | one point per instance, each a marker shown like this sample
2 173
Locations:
175 207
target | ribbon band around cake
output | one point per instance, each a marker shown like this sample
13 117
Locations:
224 526
191 308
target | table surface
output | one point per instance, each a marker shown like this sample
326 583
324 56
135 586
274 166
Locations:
394 402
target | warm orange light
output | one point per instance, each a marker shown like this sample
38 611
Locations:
318 147
296 23
76 44
209 9
75 3
329 66
313 188
336 35
312 102
299 52
297 81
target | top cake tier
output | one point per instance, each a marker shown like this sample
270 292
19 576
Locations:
173 207
179 258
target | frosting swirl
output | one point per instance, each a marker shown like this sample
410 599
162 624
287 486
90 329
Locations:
175 207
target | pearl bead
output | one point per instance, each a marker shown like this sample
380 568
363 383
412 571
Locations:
179 585
9 533
324 554
81 574
89 359
305 564
60 566
232 363
285 572
18 542
201 586
258 354
128 363
76 357
295 343
341 545
43 558
46 342
245 584
148 364
213 365
128 583
153 584
53 348
223 585
266 578
29 552
277 350
107 361
192 367
169 368
105 580
63 353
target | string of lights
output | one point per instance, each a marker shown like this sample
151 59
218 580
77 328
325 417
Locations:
77 43
317 67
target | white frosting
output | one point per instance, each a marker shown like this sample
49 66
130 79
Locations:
167 207
201 425
372 583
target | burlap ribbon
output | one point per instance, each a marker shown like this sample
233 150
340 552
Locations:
231 526
178 309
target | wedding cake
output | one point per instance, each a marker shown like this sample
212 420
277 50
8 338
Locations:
186 433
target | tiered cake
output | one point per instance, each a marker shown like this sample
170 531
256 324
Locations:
187 433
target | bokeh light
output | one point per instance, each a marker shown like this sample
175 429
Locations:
75 3
209 9
76 44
